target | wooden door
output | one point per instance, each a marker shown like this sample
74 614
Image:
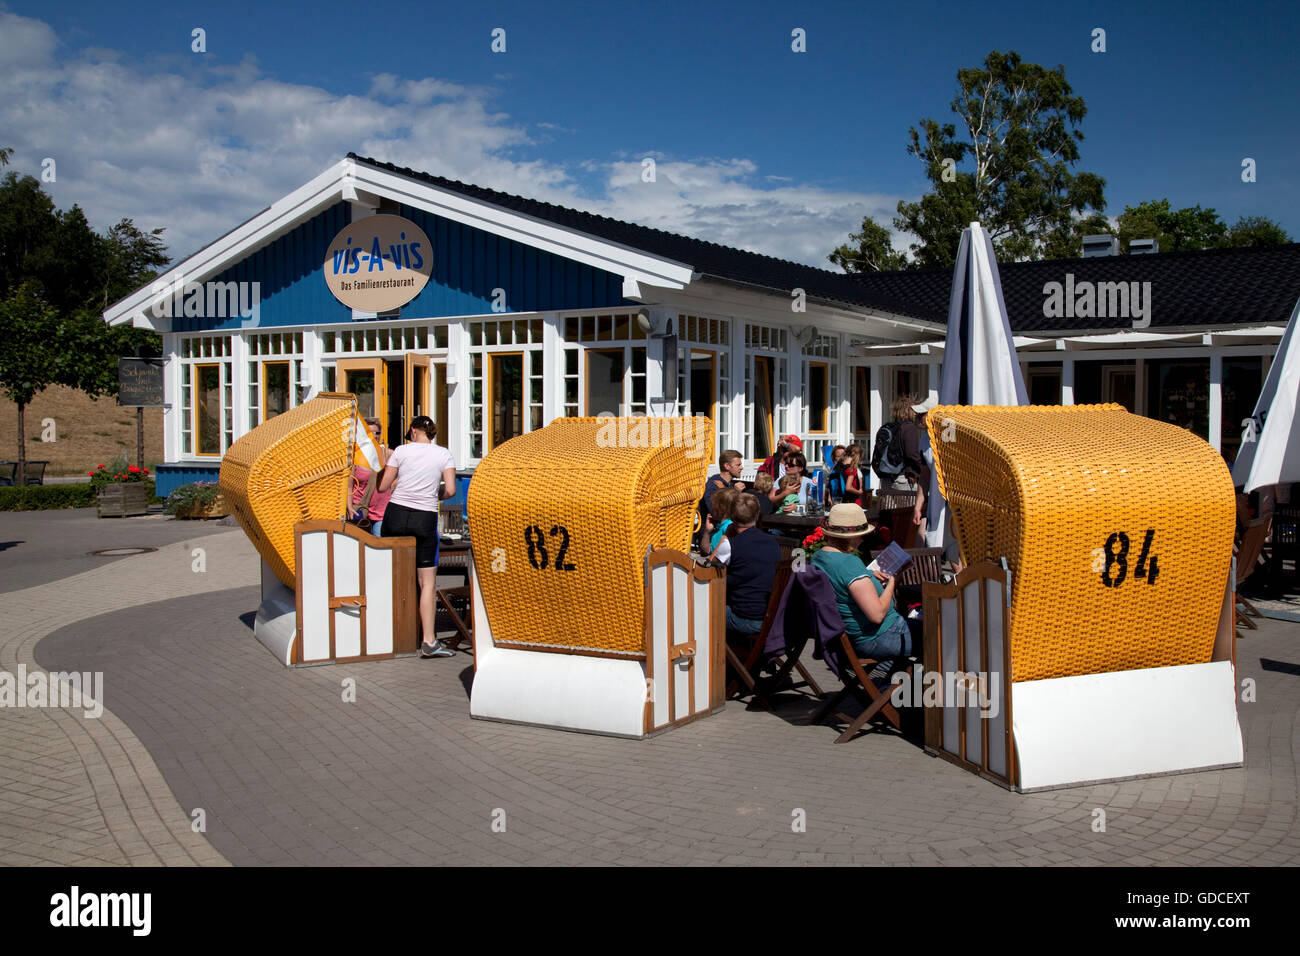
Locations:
415 390
367 379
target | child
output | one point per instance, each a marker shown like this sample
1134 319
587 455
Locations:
850 464
834 491
762 490
720 520
789 489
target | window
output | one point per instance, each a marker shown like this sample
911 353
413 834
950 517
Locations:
506 385
207 394
697 382
505 392
605 368
1045 383
1178 392
275 389
1242 380
207 409
763 400
1097 382
818 396
862 400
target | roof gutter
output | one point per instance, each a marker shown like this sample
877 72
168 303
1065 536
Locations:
871 312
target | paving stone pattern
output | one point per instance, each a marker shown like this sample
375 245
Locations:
289 773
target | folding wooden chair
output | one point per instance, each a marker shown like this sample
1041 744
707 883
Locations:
454 559
854 673
748 664
1248 551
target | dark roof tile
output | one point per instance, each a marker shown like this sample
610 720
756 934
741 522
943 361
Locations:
707 258
1215 287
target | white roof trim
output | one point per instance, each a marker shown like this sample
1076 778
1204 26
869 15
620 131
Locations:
268 225
561 240
1254 335
349 180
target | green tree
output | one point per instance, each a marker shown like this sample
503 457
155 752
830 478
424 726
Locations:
1177 230
1256 231
56 277
1011 168
35 354
871 250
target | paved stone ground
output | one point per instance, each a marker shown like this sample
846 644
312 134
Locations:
37 547
287 772
84 790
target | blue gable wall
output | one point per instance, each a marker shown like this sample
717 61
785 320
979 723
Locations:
293 288
468 264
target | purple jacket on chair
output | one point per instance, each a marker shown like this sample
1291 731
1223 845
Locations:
808 610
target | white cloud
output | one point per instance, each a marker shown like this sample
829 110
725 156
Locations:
200 148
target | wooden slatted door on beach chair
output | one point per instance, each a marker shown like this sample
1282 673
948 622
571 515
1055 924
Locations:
747 659
854 673
926 567
1248 550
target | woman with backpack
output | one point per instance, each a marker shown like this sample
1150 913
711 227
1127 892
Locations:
896 456
897 461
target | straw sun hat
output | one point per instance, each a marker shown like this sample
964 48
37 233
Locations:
846 521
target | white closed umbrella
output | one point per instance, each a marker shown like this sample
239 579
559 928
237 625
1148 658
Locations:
979 357
1269 453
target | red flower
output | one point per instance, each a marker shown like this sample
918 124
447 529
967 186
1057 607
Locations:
103 466
132 468
91 473
814 538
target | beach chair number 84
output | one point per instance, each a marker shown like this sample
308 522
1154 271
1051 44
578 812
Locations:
1111 560
538 556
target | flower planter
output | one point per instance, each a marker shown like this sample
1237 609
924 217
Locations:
217 509
123 499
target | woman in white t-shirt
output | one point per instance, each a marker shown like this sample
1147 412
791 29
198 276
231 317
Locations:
420 474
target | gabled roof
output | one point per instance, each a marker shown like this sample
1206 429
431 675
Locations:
1215 287
706 258
642 255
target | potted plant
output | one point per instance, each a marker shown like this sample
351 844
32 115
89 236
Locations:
121 489
198 499
814 542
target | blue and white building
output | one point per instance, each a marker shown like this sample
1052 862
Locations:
530 313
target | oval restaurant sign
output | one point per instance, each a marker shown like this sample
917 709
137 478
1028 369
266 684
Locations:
378 263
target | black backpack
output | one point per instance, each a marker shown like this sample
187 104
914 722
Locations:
887 453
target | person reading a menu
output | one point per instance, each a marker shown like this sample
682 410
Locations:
865 598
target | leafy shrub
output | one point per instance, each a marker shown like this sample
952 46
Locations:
197 494
46 497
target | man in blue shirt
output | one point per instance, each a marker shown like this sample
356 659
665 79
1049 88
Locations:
754 557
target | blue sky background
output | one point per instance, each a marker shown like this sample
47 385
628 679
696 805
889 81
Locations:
757 146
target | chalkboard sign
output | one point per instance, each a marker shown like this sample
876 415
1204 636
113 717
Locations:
140 381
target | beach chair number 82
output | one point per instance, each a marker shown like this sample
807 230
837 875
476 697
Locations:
1108 556
537 553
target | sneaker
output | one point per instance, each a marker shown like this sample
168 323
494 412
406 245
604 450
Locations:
436 649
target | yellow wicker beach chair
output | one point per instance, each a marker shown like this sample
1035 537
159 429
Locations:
1118 531
561 519
292 468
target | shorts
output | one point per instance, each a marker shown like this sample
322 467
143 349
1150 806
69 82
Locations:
403 522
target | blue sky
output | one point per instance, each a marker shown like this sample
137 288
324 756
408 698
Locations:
756 146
